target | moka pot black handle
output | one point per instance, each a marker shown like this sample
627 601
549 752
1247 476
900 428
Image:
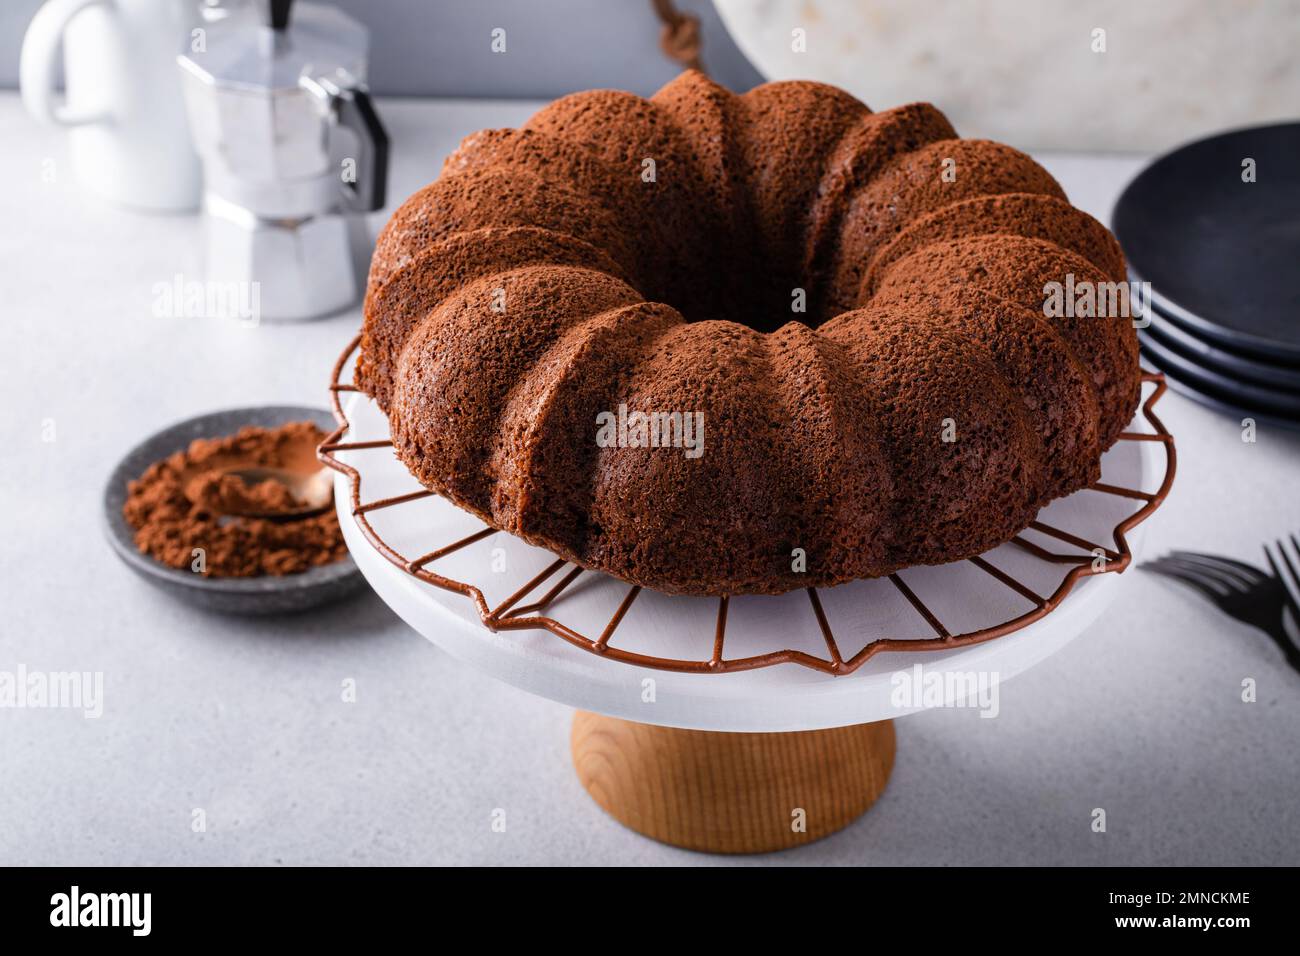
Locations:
365 191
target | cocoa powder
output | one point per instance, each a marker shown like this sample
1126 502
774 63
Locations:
189 502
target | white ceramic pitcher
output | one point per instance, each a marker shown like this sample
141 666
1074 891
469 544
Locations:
130 141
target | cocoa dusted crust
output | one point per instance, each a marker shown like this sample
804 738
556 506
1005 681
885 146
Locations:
648 253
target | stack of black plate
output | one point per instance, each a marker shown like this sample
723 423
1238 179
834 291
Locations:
1222 256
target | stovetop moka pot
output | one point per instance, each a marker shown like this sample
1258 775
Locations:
293 154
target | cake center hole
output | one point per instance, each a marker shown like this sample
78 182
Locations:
763 297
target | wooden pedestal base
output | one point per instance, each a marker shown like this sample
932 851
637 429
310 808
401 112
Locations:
727 792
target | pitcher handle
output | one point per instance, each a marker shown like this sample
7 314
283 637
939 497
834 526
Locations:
38 65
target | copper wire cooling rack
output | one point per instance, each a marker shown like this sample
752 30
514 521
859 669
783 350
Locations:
511 615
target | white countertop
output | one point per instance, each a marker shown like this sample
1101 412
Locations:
244 718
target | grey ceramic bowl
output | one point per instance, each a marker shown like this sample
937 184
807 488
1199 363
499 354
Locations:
262 595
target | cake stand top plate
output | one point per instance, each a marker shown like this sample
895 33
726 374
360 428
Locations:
784 697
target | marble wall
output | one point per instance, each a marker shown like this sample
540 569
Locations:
1102 74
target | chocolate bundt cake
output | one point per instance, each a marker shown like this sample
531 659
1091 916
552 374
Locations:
847 306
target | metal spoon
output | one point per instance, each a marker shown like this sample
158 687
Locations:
314 491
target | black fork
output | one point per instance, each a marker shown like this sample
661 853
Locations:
1245 592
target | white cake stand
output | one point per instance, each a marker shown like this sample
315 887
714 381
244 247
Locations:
754 759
